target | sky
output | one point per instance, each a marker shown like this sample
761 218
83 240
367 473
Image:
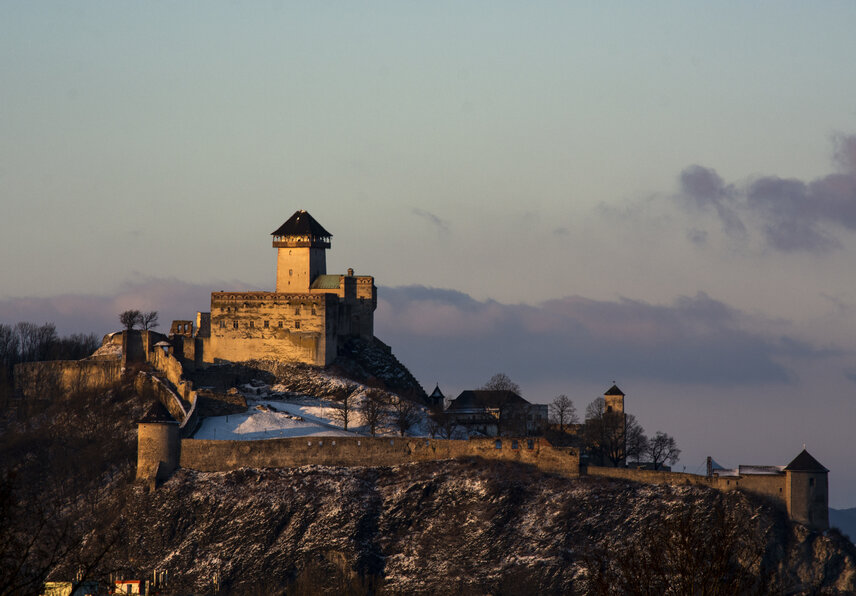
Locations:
574 194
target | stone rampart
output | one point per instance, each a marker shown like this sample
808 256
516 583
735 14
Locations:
37 379
771 486
219 456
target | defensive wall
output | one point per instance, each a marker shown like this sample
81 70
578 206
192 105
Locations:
34 379
773 486
220 456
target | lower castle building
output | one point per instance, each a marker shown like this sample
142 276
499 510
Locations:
306 319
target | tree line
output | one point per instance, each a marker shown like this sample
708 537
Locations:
29 342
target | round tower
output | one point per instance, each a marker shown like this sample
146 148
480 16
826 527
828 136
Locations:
158 444
301 244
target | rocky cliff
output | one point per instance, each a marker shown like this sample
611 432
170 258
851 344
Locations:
467 527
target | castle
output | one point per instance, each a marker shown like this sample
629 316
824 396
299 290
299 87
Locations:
306 319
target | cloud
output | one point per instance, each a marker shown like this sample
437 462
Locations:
694 340
788 214
441 224
449 336
83 313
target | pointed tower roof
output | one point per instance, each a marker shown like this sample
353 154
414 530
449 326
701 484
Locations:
301 224
437 393
157 413
804 462
614 390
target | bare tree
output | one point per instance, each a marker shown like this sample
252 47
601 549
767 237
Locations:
405 414
501 382
606 433
374 409
149 320
344 407
130 319
562 412
662 449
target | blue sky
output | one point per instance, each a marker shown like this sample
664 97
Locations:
572 193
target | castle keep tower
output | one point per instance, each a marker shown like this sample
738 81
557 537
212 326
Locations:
309 317
301 244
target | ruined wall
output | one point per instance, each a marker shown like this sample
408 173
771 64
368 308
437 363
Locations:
35 379
365 451
256 325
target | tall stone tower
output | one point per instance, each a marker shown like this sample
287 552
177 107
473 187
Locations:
614 398
807 488
301 244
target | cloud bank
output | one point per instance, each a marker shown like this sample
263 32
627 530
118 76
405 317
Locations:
788 214
694 340
448 336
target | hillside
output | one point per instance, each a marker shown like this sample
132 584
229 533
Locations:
466 527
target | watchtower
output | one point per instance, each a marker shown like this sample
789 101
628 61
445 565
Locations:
301 244
158 444
614 410
807 491
614 398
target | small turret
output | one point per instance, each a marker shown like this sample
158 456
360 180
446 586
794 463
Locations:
436 399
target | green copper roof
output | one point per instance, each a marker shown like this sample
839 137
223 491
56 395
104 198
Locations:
326 282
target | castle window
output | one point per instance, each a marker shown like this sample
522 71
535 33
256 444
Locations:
235 325
222 324
297 310
290 272
280 324
297 324
267 324
530 444
514 444
252 324
498 444
228 309
313 309
608 408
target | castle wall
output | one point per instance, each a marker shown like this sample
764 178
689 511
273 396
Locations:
771 486
218 456
34 379
297 327
145 383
